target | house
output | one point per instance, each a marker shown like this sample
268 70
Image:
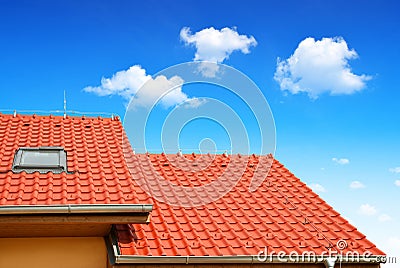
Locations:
74 194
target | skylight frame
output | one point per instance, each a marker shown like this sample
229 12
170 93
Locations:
55 167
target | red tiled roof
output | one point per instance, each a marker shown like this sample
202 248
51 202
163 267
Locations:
98 172
282 214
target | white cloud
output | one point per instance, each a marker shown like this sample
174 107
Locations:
341 161
123 83
194 103
384 217
356 185
397 183
395 170
318 67
208 69
128 82
317 188
215 45
367 209
157 88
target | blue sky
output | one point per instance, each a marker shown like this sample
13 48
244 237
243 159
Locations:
347 133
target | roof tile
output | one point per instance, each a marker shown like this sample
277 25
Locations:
282 213
94 150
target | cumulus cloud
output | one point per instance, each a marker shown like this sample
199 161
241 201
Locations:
356 185
384 218
397 183
395 170
169 90
123 83
318 188
215 46
318 67
194 103
367 210
341 161
127 83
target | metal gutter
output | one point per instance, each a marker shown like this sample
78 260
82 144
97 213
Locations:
116 258
75 209
130 259
125 259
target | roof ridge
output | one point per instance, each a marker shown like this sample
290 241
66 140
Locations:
57 113
208 154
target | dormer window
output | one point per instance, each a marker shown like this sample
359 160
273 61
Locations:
40 159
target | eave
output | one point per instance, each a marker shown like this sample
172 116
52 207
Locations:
69 220
119 260
130 259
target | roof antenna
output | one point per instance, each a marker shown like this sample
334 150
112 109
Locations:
65 106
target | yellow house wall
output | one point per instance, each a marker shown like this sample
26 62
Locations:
52 252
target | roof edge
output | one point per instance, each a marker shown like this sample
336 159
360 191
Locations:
115 257
251 259
75 209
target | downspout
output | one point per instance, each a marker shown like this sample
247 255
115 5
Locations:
330 262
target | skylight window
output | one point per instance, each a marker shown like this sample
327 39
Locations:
41 159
